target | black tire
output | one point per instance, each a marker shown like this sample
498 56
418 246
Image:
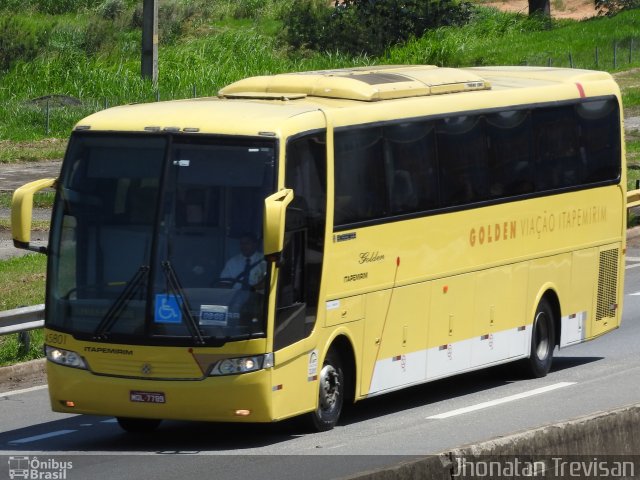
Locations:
138 425
543 341
331 389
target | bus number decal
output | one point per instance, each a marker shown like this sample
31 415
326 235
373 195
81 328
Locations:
56 339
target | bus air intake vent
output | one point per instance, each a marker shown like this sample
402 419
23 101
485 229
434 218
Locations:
381 78
369 84
607 284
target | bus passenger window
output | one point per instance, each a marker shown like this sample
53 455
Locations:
411 159
511 166
600 139
360 185
556 143
462 156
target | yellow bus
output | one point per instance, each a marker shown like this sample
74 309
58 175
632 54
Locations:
306 240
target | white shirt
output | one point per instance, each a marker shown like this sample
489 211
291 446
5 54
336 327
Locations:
236 264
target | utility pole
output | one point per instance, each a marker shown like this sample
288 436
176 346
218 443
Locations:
150 41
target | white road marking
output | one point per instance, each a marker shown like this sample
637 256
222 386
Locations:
111 420
633 294
35 438
635 265
24 390
500 401
632 259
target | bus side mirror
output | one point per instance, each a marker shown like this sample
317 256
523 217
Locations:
22 211
275 207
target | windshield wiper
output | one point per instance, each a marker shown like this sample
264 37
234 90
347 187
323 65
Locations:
117 307
178 291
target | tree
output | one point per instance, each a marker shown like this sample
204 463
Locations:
367 26
542 7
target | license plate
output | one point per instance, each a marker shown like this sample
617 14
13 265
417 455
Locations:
147 397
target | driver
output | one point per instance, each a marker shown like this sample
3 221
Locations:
247 269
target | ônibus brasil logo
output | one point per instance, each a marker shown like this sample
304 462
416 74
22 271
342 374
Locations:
38 469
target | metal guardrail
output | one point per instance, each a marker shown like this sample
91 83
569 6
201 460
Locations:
29 318
633 198
21 319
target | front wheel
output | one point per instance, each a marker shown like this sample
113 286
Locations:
542 341
138 425
331 394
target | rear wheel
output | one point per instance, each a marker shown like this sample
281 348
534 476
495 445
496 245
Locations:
330 394
542 341
138 425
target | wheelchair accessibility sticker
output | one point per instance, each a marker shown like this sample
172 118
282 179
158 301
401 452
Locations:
167 309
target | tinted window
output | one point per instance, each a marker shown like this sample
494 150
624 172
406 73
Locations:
462 155
360 186
510 162
418 166
412 175
556 147
600 136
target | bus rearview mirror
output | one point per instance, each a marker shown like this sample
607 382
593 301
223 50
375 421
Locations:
275 207
22 211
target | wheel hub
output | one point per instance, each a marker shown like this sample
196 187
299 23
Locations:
329 387
542 336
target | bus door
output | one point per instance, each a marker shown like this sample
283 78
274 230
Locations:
300 269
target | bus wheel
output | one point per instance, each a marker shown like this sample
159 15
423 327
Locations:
331 394
542 341
138 425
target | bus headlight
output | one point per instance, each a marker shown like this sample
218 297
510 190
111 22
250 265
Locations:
234 366
64 357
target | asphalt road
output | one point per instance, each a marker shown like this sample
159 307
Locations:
588 378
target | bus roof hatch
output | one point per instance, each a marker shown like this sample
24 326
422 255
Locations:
366 84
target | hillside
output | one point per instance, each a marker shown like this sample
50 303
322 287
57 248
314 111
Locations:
88 58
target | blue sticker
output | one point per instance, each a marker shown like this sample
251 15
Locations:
168 309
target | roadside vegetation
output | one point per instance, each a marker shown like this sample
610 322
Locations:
43 199
22 282
76 57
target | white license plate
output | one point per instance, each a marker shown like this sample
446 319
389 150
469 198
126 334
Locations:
146 397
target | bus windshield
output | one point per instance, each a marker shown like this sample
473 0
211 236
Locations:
157 239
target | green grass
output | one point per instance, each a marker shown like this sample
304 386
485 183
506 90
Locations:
34 150
631 96
36 225
22 282
633 162
498 38
11 351
40 199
